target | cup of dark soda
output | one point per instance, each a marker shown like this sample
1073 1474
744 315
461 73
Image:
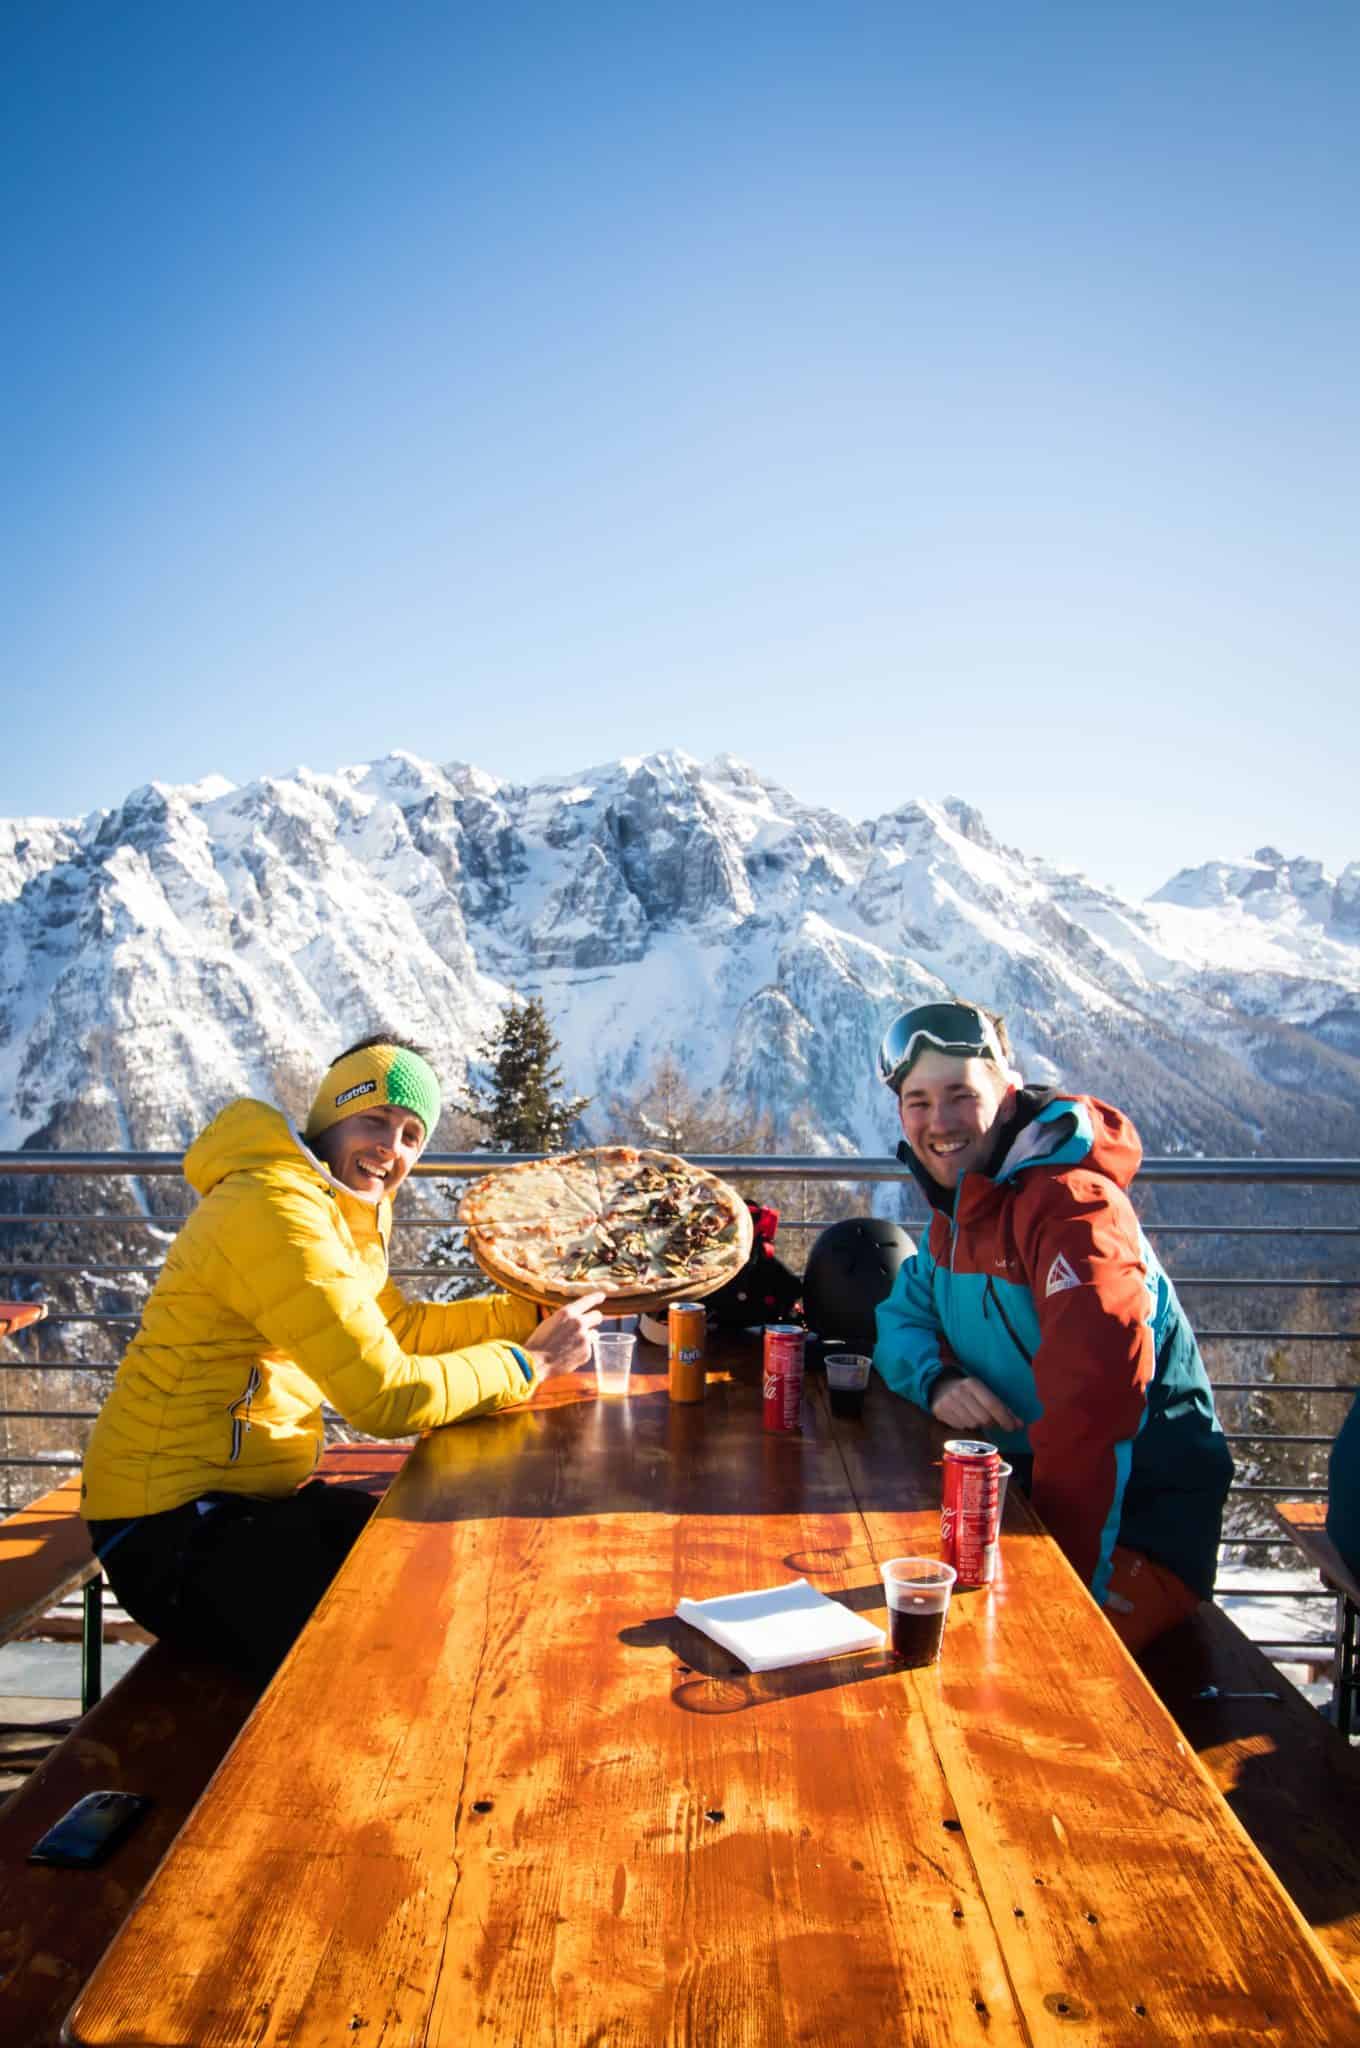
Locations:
847 1375
918 1590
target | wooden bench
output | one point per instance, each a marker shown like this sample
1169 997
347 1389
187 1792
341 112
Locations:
45 1551
44 1555
20 1315
161 1730
1291 1779
1305 1523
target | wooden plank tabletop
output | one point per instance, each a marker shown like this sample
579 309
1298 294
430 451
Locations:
1305 1522
497 1790
1286 1772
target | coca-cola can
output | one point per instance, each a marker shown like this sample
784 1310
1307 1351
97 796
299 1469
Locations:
968 1516
784 1378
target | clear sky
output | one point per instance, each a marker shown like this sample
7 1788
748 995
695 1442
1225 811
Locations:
913 399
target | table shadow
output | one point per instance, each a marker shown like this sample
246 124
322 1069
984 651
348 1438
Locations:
571 1453
833 1557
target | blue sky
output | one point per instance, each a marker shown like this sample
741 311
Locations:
911 399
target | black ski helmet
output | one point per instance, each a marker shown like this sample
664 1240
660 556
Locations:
850 1269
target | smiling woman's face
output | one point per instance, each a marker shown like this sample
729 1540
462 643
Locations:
373 1150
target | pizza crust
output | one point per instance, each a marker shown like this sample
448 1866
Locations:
674 1231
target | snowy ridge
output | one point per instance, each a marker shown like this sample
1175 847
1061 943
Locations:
199 942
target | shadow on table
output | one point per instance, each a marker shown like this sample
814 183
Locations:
572 1453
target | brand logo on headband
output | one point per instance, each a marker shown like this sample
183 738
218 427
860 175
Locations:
359 1088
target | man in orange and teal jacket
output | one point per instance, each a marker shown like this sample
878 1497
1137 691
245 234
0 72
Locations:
1343 1489
197 1482
1037 1316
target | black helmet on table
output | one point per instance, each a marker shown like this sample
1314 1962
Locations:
850 1269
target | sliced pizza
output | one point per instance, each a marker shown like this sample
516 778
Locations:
643 1227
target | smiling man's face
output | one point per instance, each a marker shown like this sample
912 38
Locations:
950 1109
373 1150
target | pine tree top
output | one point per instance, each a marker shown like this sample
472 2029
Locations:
524 1109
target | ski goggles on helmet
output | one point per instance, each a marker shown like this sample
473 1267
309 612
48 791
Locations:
956 1028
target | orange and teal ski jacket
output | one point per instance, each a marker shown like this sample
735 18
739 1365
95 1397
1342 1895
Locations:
274 1297
1343 1489
1038 1280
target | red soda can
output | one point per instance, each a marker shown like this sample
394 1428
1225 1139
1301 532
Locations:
972 1489
784 1378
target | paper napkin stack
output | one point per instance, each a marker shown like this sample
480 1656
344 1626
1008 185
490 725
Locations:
793 1624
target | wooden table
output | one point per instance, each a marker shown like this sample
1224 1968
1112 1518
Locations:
497 1792
1305 1522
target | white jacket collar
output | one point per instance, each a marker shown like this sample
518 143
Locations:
320 1168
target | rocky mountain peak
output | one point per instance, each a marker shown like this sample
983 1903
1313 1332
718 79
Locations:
192 943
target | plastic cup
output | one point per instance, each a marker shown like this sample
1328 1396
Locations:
847 1375
613 1351
918 1590
993 1551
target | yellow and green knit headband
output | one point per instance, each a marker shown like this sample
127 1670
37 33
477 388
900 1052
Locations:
378 1077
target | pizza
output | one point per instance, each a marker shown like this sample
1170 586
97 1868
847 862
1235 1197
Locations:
644 1227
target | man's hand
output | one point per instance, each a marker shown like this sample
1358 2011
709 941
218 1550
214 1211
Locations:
970 1404
562 1341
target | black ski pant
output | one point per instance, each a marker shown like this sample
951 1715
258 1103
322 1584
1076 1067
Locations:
231 1577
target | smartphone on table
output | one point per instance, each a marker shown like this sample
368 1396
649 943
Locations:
94 1826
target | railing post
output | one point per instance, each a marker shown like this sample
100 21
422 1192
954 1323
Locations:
92 1643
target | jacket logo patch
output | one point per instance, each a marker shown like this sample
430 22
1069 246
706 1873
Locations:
1060 1277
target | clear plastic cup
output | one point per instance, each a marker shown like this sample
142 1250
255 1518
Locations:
613 1353
918 1590
847 1375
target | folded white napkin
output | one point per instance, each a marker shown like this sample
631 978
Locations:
793 1624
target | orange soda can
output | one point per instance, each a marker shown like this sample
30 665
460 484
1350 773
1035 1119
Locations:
687 1331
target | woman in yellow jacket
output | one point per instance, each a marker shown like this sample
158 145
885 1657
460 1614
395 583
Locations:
273 1298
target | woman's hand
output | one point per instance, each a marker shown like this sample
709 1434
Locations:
970 1404
562 1341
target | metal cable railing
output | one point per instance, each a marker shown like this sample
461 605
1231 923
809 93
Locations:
41 1352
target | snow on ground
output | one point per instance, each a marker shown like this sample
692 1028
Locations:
43 1670
1281 1618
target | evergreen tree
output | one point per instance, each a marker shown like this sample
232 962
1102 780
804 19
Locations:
524 1109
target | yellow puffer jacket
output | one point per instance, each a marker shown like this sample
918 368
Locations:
274 1296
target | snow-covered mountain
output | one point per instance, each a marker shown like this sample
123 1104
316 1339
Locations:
201 942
